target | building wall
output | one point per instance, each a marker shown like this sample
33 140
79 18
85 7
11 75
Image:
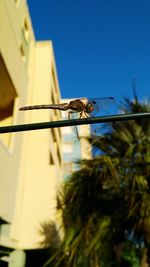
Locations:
30 162
42 177
16 70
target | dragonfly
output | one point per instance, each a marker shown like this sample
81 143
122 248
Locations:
84 107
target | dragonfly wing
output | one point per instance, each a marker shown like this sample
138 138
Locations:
102 105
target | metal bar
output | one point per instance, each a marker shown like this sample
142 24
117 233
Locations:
64 123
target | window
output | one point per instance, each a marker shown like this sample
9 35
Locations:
24 44
22 52
54 79
59 132
67 130
52 96
67 147
17 2
53 101
58 155
53 134
51 159
25 30
7 100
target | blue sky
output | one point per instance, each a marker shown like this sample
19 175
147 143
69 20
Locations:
100 46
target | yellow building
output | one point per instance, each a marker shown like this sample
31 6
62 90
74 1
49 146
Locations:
30 162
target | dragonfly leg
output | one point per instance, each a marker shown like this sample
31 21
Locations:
86 114
80 114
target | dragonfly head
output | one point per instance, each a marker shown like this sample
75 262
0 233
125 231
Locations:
89 107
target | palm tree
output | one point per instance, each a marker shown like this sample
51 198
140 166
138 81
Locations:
88 203
129 142
106 204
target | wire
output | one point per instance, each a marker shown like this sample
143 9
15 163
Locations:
72 122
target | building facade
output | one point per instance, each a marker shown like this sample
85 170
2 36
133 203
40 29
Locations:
30 162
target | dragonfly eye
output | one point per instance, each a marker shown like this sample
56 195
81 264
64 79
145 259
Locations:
89 107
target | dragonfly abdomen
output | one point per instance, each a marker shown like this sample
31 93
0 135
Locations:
63 106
